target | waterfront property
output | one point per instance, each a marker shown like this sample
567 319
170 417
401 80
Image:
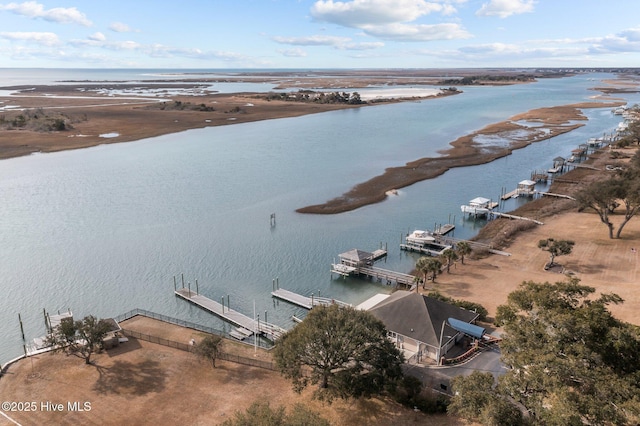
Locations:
424 328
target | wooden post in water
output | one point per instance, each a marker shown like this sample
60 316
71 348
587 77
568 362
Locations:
24 341
273 220
175 287
182 280
222 304
189 284
265 316
46 323
197 287
228 303
273 284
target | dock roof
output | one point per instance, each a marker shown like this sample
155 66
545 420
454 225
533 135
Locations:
356 255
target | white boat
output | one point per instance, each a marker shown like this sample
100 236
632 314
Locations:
479 206
423 242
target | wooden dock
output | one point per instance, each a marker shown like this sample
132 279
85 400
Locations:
305 301
550 194
511 194
444 229
247 326
389 276
511 216
473 244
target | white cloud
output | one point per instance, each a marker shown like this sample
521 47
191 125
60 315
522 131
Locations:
293 53
391 20
43 38
363 46
506 8
97 37
316 40
408 32
357 13
120 27
342 43
32 9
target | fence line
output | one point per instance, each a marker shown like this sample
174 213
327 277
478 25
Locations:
132 313
188 348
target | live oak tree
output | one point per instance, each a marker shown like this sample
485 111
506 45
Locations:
556 248
605 196
476 399
570 361
344 351
80 337
209 348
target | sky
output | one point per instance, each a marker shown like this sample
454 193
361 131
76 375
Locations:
317 34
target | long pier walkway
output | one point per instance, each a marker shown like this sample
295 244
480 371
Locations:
472 244
389 276
305 301
248 325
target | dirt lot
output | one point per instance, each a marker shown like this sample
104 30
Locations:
144 383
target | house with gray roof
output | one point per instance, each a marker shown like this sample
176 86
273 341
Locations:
422 326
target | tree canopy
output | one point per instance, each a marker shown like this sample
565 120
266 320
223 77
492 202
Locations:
570 361
209 348
344 351
475 398
556 248
428 264
80 337
605 196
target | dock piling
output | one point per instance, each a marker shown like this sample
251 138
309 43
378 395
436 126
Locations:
197 292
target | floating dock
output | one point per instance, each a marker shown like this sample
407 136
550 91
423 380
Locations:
246 326
305 301
444 229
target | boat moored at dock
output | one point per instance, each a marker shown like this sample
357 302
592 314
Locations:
479 206
424 242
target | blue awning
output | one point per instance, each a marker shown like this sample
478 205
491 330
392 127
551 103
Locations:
466 328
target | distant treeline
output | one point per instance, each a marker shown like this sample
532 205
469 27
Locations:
316 97
480 79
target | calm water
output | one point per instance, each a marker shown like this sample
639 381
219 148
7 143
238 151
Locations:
104 230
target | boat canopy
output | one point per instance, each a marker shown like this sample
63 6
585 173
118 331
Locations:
466 328
479 201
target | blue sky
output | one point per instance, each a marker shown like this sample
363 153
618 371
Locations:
314 34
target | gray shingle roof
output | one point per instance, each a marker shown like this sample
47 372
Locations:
419 317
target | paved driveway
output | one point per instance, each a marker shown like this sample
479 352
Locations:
439 378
